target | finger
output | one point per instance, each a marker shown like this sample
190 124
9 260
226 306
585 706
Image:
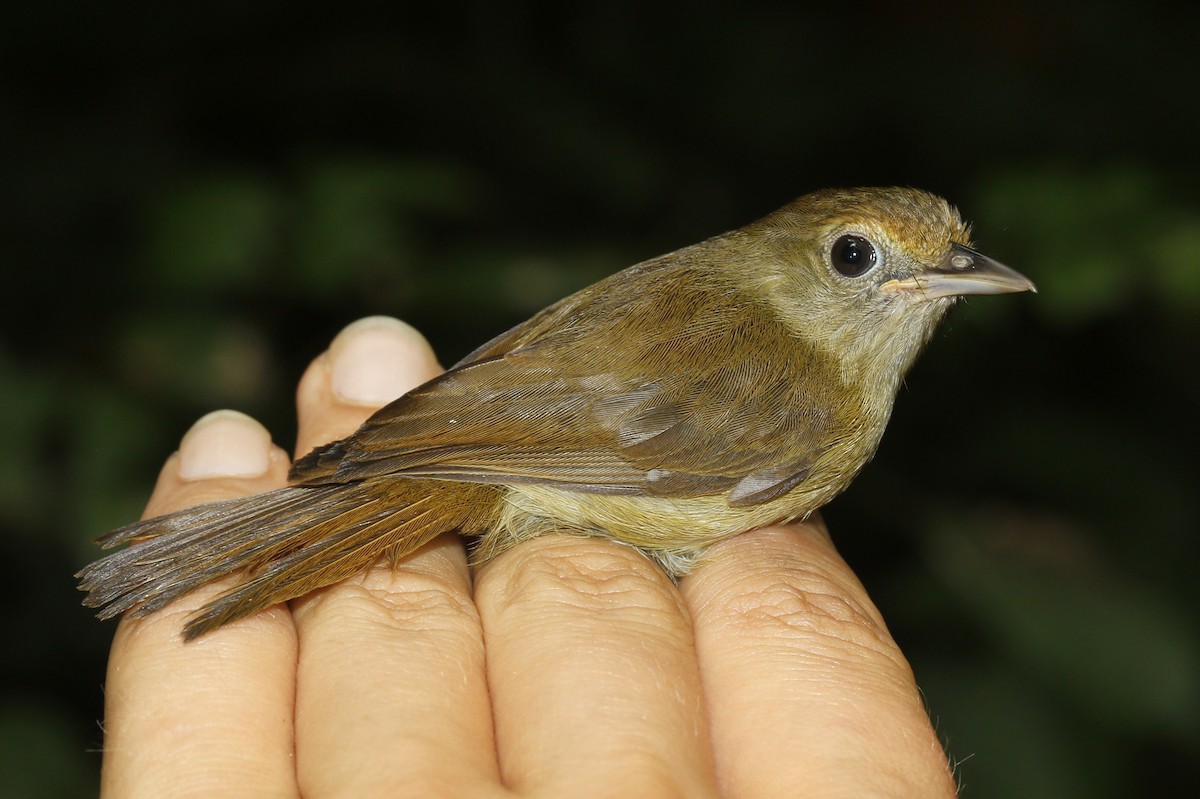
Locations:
370 363
215 712
807 691
593 672
392 694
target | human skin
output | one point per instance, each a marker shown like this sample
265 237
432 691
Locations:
564 667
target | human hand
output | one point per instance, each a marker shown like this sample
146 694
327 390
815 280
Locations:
565 667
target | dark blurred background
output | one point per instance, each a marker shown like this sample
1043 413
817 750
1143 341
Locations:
194 200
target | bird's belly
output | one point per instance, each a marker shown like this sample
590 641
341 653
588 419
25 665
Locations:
673 531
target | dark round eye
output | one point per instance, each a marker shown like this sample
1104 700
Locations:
853 255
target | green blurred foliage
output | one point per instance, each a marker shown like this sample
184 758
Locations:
1101 236
194 201
33 741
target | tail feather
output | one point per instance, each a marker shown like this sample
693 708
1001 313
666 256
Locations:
287 542
329 556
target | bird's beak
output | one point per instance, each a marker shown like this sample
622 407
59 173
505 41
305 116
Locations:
962 271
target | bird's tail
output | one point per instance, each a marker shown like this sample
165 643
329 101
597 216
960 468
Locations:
285 542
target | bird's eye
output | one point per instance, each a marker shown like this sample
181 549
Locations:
853 255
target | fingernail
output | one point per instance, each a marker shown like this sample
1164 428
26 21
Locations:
224 444
375 360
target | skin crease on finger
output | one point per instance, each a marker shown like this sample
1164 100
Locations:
795 645
590 636
395 656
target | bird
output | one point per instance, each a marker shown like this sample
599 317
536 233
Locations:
735 383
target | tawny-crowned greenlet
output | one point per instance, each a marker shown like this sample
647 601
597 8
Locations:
728 385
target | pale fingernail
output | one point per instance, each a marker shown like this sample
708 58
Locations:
224 444
375 360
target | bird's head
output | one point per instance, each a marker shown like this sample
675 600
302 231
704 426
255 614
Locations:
867 274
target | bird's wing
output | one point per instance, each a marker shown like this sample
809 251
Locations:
605 393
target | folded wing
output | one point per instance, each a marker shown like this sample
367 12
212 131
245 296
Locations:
605 392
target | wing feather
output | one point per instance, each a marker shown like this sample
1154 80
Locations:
605 392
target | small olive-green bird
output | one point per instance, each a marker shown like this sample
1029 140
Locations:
736 383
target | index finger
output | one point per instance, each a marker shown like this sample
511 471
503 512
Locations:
391 691
805 688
